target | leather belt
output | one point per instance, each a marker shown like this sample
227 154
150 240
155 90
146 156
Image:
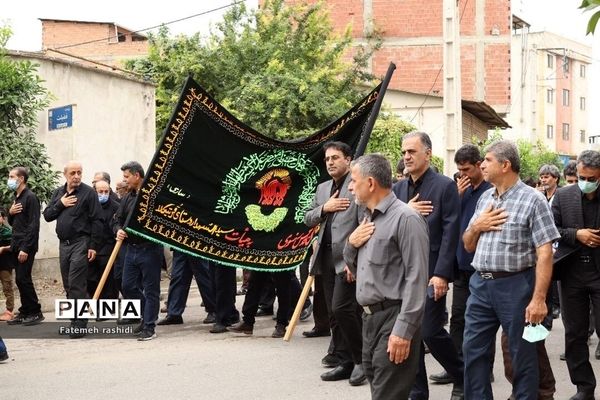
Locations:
489 275
373 308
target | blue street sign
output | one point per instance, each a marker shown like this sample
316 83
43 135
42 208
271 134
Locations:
60 117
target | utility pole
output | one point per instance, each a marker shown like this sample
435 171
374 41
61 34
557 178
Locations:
452 84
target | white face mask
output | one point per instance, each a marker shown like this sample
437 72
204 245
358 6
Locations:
12 184
587 186
535 332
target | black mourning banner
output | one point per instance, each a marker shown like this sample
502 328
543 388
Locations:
218 189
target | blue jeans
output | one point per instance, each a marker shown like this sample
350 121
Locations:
184 267
494 303
2 346
141 279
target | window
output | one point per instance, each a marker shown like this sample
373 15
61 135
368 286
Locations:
565 132
566 97
582 103
582 70
582 136
565 64
550 61
550 131
550 96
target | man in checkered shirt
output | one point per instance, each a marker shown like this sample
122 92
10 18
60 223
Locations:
511 232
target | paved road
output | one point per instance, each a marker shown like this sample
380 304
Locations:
187 362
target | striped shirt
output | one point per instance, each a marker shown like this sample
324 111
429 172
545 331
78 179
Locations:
529 225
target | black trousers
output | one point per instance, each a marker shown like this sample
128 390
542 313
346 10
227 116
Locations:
344 312
224 285
256 284
579 286
29 299
441 346
387 379
95 271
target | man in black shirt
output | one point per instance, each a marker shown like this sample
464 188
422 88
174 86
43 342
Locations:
24 217
76 209
108 208
142 257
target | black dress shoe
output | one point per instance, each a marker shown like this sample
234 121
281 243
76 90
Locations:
218 328
210 318
242 327
264 312
338 373
583 396
171 320
330 361
358 376
316 333
279 331
442 378
597 353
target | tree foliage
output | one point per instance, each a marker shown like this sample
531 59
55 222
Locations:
22 96
280 69
532 155
591 5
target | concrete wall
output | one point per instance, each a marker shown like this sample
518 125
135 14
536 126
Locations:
113 122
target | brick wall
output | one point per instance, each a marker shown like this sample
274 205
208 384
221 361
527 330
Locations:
103 37
412 31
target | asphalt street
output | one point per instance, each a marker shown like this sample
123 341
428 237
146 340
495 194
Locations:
187 362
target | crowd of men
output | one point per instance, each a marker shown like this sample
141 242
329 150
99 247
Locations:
386 256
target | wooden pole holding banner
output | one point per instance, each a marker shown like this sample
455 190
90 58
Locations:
298 310
111 261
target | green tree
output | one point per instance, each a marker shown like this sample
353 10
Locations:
387 135
22 96
591 5
280 69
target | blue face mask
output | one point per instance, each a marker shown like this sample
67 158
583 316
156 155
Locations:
586 186
103 198
12 184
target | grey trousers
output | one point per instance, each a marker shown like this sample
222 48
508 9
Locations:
74 266
387 379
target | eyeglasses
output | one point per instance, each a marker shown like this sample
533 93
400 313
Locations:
332 158
591 179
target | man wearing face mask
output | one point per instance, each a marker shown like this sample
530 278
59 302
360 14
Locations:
24 217
108 208
76 209
577 262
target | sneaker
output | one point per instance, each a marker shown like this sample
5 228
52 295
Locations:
279 331
33 319
210 318
306 312
241 291
139 329
3 356
17 319
242 327
7 316
146 334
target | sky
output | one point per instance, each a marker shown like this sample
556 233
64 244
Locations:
558 16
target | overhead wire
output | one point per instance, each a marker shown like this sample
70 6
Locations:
153 27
